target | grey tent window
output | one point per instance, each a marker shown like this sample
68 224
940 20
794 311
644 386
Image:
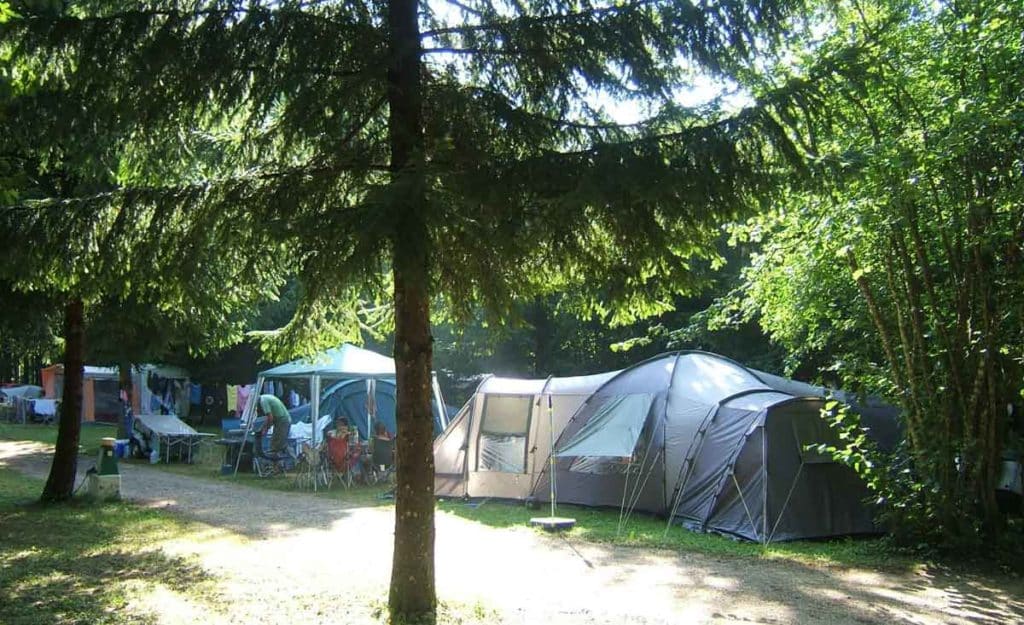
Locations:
608 443
600 465
613 430
504 426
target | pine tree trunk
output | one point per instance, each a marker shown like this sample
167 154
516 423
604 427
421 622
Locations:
60 485
412 597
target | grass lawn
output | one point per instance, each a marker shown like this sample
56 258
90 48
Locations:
85 563
89 439
595 525
601 526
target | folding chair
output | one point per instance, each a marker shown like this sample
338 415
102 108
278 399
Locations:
313 468
382 460
338 456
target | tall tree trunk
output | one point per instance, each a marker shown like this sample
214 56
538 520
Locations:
61 483
412 597
124 383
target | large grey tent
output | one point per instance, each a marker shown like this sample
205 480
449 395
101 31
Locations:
699 439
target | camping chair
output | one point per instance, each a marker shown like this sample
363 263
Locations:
313 468
269 464
382 460
339 457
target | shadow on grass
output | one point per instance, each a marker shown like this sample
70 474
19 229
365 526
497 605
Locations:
85 563
355 496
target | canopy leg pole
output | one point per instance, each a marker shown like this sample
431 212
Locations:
314 411
247 416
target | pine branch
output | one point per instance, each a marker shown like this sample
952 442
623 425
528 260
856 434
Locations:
534 20
554 121
521 52
149 14
187 189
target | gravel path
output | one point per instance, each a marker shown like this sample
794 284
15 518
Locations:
333 557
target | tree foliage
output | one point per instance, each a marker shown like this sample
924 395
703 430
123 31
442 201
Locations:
906 267
455 147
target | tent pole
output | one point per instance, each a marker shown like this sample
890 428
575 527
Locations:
551 437
764 481
247 416
686 468
638 490
625 489
442 414
785 505
638 486
314 411
739 491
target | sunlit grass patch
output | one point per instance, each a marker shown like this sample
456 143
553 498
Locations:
644 531
88 440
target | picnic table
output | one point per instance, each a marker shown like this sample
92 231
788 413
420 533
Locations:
172 433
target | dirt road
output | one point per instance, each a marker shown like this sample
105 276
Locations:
292 558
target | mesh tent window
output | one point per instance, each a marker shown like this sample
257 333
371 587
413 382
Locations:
504 426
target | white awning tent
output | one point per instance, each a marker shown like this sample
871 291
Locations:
346 362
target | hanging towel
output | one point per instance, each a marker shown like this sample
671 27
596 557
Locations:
232 393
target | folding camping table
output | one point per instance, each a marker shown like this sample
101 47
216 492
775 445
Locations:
172 433
237 442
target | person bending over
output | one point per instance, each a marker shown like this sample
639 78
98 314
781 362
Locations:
275 415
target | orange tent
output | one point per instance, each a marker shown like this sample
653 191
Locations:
100 401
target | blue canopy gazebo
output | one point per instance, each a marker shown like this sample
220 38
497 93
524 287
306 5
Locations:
343 369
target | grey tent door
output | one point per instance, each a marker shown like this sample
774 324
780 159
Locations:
500 462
